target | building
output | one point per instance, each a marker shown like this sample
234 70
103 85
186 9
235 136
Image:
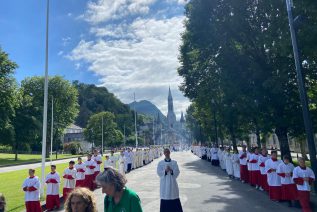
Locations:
75 133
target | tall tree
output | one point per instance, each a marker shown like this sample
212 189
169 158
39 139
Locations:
64 96
8 98
111 135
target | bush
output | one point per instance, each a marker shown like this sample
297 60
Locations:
72 147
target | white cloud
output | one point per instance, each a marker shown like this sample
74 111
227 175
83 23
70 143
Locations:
66 41
105 10
133 54
60 53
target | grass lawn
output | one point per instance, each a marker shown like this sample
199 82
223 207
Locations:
11 185
8 159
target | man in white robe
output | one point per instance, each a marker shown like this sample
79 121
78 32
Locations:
121 162
31 187
168 171
273 179
303 177
52 181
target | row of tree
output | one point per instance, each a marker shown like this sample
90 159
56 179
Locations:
237 62
21 110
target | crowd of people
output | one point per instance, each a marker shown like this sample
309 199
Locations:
279 178
84 175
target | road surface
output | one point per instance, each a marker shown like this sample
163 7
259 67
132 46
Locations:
203 188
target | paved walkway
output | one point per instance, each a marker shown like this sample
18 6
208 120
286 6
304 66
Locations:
34 165
203 188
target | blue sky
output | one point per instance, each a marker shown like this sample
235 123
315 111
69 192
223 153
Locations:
125 45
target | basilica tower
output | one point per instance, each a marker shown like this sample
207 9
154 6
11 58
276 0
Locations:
171 118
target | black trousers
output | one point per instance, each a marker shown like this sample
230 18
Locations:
129 167
215 162
173 205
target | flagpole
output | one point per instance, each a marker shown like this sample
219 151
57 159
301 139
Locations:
52 128
102 135
45 103
135 127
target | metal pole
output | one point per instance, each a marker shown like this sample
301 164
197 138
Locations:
135 127
52 122
303 94
153 133
45 104
124 135
101 135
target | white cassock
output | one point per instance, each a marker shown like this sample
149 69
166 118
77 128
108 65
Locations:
98 161
34 193
121 164
299 173
52 181
220 155
236 165
113 160
273 179
107 164
228 161
70 178
80 168
168 184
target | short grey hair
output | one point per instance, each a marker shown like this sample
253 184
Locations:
112 177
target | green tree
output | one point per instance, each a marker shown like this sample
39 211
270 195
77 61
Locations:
111 135
8 98
64 96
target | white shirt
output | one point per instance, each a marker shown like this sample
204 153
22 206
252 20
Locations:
71 182
98 161
302 173
243 160
168 184
81 169
53 186
90 167
272 178
32 195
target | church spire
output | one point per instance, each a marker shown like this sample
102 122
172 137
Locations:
171 118
182 120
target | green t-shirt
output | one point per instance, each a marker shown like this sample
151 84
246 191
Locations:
130 202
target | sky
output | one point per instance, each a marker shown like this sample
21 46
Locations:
125 45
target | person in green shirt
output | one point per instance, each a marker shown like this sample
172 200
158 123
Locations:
119 198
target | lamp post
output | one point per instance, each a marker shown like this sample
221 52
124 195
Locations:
215 121
302 93
44 132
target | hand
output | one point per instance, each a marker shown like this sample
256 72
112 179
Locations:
306 179
287 174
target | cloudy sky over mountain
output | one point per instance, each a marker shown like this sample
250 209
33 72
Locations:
125 45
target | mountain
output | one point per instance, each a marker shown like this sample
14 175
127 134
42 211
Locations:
147 108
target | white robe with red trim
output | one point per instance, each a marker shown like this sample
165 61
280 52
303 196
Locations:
286 172
69 176
34 185
300 173
81 169
270 168
98 161
52 181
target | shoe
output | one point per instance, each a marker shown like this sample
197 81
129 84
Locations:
261 189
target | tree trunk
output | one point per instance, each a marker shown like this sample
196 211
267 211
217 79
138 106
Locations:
281 133
302 147
16 149
258 138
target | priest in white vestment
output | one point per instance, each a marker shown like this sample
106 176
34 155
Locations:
168 171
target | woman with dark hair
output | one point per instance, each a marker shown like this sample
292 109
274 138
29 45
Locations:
118 196
81 200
